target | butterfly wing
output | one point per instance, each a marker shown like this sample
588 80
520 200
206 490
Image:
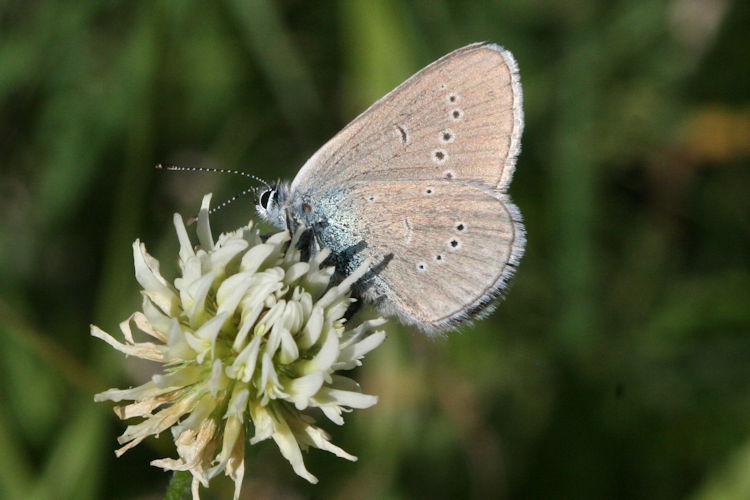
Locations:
442 248
460 117
417 182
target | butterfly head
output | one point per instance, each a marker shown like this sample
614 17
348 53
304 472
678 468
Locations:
272 204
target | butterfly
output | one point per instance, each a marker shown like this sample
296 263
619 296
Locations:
418 184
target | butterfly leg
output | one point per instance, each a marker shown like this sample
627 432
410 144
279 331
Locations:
316 242
291 224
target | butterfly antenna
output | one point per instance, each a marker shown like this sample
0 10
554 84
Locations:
214 170
226 203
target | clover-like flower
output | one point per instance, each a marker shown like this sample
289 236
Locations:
249 333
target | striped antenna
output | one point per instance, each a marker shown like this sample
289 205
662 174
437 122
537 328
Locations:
225 203
213 170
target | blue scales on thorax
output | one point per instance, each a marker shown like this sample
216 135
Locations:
332 217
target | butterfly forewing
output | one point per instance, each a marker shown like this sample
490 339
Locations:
458 118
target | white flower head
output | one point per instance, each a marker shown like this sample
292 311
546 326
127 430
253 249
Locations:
249 333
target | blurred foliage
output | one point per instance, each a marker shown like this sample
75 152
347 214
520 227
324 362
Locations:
617 367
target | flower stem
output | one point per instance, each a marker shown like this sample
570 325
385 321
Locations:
179 486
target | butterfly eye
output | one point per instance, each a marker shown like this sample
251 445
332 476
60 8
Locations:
265 197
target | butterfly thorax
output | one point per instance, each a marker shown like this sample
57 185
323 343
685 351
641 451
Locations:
328 216
325 214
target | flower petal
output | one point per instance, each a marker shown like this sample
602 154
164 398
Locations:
287 443
269 386
154 285
222 256
258 256
186 248
350 356
204 227
312 329
351 399
144 350
343 288
289 351
156 424
218 381
194 299
158 320
262 421
314 436
302 389
325 357
203 341
244 364
231 291
145 391
295 272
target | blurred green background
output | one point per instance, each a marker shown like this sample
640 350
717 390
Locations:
617 367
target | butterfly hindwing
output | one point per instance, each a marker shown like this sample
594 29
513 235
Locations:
448 246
